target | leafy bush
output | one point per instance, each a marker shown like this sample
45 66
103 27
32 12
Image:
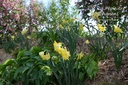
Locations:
27 68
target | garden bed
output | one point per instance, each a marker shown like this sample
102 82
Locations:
107 74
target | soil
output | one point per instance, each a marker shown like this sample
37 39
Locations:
4 56
108 75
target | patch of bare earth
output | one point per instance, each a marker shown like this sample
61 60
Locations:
4 56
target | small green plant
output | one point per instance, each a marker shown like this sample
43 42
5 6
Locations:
116 41
89 64
98 45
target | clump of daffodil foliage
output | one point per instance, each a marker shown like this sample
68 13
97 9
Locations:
107 37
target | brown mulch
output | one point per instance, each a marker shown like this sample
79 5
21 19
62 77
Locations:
4 56
108 75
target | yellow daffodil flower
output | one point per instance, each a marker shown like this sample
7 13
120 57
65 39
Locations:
28 37
65 54
95 15
60 26
61 50
57 46
12 37
69 28
24 31
101 28
44 56
80 55
87 42
64 21
74 19
15 33
81 27
117 29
